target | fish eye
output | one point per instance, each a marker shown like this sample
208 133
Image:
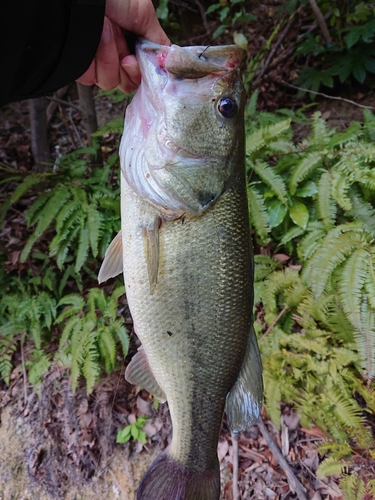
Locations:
227 107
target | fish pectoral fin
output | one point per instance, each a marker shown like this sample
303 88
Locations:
151 244
244 402
112 264
138 372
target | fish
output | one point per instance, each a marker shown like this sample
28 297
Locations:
185 251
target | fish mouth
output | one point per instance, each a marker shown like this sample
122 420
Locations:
192 62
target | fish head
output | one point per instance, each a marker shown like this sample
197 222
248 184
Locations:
184 133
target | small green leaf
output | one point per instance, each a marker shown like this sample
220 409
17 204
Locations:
299 214
307 189
276 212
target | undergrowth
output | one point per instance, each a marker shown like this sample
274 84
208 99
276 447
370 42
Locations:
315 201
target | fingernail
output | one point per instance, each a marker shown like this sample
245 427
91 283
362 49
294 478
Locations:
106 33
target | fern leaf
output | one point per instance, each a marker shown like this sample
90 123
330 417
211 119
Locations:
352 487
310 162
259 139
351 283
123 336
339 190
83 248
326 205
274 181
331 253
107 348
38 368
309 243
362 211
90 366
320 134
331 466
365 340
94 222
45 216
258 214
73 323
294 232
28 182
369 125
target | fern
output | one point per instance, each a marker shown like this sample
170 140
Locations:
258 213
89 334
274 181
264 135
310 162
331 466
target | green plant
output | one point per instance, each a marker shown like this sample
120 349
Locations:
230 12
74 200
350 53
133 431
90 329
315 200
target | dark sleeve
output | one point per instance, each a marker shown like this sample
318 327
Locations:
45 44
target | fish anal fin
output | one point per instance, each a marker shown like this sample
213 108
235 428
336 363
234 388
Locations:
151 245
138 372
113 260
244 401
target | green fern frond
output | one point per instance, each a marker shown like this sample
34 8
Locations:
264 265
274 181
46 215
320 133
27 183
331 253
331 466
258 213
123 336
37 367
261 137
107 348
352 279
293 232
308 163
83 248
90 366
310 243
369 125
362 211
326 205
352 487
94 221
365 339
339 190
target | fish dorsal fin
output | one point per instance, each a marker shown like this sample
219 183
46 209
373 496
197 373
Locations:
244 402
112 264
151 245
138 372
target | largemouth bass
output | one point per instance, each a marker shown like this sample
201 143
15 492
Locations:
186 256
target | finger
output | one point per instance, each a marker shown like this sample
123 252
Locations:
126 84
107 61
88 78
130 66
137 16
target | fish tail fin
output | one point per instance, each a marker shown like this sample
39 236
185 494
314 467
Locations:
167 479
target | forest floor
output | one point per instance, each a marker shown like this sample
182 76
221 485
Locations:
63 444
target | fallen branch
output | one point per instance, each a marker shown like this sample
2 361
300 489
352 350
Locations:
321 21
294 484
335 98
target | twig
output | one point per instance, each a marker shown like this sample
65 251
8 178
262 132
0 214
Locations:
68 104
325 95
294 484
203 15
274 48
236 491
24 371
273 323
321 21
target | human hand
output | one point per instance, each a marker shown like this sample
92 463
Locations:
113 65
